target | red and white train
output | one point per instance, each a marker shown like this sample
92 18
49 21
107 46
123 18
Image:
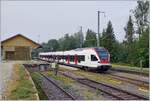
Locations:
86 58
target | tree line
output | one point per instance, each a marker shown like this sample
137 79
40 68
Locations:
133 49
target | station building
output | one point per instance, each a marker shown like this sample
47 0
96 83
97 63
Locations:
17 47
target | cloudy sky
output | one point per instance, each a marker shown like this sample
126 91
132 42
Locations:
53 19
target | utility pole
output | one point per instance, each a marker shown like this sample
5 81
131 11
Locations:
98 43
81 38
38 38
98 30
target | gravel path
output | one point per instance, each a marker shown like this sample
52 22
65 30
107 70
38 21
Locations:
5 74
6 70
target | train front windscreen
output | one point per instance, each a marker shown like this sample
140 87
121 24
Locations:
103 54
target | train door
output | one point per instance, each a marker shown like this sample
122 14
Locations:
58 58
86 60
94 60
68 59
76 59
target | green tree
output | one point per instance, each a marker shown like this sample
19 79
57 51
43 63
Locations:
129 31
53 45
64 42
108 37
141 15
79 39
103 38
45 47
122 53
90 39
35 52
143 48
129 36
109 42
67 42
136 50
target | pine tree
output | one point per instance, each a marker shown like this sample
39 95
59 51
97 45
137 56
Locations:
109 37
53 45
141 15
108 41
79 39
129 31
103 38
90 40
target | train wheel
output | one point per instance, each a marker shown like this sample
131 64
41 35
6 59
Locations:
86 68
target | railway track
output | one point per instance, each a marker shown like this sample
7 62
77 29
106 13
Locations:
136 82
57 93
113 91
129 71
127 79
130 80
108 89
118 70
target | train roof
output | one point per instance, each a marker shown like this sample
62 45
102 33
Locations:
71 51
80 49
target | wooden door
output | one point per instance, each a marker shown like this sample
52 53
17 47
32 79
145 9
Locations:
10 55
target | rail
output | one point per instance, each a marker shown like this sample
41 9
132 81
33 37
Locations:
111 90
66 93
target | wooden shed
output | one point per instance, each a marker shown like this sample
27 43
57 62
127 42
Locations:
18 47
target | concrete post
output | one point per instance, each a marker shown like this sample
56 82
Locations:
141 66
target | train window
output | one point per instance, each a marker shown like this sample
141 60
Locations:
59 57
53 57
94 58
50 56
63 57
71 58
81 58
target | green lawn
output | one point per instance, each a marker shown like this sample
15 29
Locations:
24 89
128 67
65 80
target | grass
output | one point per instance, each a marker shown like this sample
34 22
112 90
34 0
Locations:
97 77
37 80
88 94
24 88
93 76
128 67
64 79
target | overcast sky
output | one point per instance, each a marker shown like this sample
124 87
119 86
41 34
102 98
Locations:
53 19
